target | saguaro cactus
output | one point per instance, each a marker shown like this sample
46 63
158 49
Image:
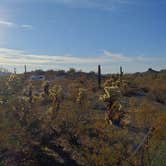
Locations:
121 71
121 74
25 69
99 76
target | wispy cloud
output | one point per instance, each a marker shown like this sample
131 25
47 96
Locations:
100 4
110 61
22 57
117 57
104 4
26 26
10 24
7 23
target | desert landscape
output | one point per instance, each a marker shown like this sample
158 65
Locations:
82 82
62 120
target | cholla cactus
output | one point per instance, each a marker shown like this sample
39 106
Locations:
113 97
116 81
111 93
112 81
13 83
81 96
11 78
46 87
108 82
56 93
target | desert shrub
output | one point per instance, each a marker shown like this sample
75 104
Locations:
155 88
35 134
71 71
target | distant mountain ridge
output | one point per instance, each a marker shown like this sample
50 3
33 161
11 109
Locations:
150 71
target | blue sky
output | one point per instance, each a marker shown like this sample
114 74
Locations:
58 34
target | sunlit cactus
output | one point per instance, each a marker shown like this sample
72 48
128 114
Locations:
81 95
108 82
11 77
13 82
57 95
111 81
111 93
113 97
117 81
46 87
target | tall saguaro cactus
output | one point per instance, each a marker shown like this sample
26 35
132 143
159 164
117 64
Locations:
99 76
121 71
25 69
121 74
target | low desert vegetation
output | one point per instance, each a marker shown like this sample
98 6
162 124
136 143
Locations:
68 119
